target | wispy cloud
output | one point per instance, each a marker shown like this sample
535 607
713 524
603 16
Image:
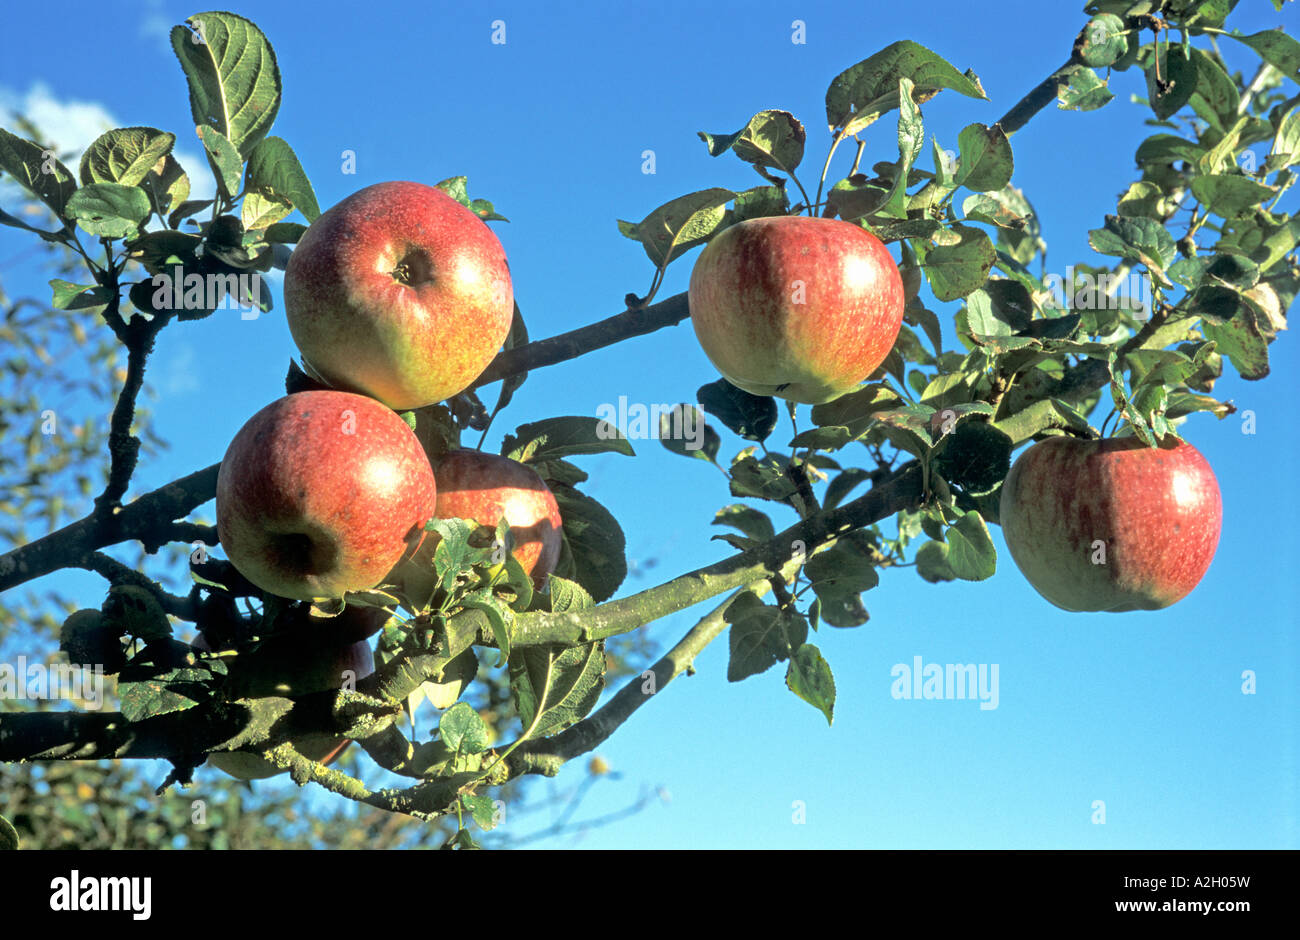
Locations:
70 126
156 24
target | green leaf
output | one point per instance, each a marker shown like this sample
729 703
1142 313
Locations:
1102 41
753 417
840 575
451 682
1142 240
986 161
88 638
959 263
761 202
857 407
186 209
37 170
499 618
109 210
1230 196
453 553
486 211
828 438
676 227
7 219
274 171
980 316
285 233
753 523
125 155
1286 144
1241 340
1177 81
223 158
1084 91
568 595
164 678
68 296
1006 209
1185 403
932 562
159 251
856 196
683 430
167 185
1216 96
1165 149
975 456
482 808
553 688
809 677
760 635
461 729
594 540
232 74
862 93
564 437
764 478
971 554
457 187
771 139
1276 48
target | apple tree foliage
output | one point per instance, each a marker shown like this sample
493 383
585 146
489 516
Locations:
1012 355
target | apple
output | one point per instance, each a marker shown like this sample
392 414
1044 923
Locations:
399 292
322 493
1113 524
487 488
291 665
798 307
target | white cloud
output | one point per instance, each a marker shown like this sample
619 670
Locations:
71 126
180 374
156 25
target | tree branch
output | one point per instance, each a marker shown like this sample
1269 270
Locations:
901 491
575 343
546 756
148 519
117 573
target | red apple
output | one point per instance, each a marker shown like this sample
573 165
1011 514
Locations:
399 292
799 307
1111 524
321 493
488 488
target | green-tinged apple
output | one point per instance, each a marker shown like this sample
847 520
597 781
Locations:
291 665
487 488
1111 525
798 307
399 292
322 493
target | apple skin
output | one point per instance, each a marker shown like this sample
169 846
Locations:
290 665
321 493
742 300
487 488
399 292
1157 509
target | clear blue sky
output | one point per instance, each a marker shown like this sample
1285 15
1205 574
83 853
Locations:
1143 711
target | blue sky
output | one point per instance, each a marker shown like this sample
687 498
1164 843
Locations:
1143 711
